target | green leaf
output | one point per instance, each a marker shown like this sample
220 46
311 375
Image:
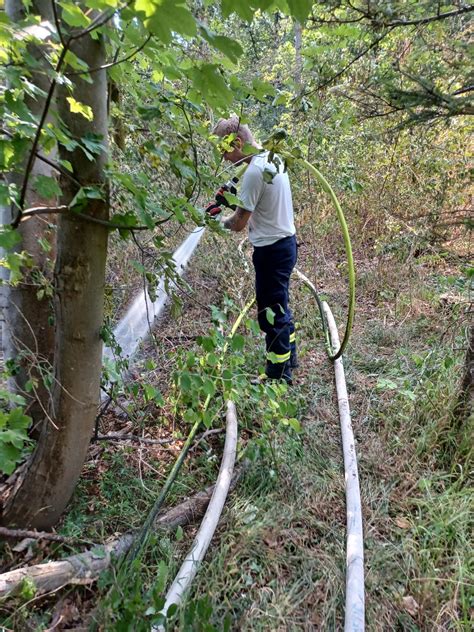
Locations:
13 438
73 15
84 194
233 199
17 419
212 359
295 424
165 17
9 237
75 62
9 455
231 49
384 383
47 187
8 193
185 382
7 153
270 314
261 89
93 143
238 342
241 7
101 4
153 394
207 343
208 80
300 9
79 108
209 387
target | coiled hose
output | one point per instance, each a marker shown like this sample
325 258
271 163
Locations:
332 355
350 268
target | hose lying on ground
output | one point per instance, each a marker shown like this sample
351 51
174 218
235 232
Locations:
140 540
208 526
354 615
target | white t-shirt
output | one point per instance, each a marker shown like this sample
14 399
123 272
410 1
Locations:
270 202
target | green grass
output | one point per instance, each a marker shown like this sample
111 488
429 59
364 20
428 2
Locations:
278 559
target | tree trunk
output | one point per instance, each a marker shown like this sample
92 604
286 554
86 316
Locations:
298 57
50 477
27 332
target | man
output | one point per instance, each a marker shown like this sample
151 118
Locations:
267 208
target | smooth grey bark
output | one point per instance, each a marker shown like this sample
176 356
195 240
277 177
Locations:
298 57
27 331
49 479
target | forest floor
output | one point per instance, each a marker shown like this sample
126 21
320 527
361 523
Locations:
278 559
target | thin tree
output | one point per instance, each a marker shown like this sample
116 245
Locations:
48 481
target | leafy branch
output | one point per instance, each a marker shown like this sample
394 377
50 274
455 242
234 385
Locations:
51 210
100 21
376 20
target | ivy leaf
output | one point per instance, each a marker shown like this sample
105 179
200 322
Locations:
47 187
80 108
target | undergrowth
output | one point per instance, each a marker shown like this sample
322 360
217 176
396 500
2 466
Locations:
278 559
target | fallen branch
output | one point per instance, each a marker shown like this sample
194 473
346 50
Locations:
136 438
85 568
20 534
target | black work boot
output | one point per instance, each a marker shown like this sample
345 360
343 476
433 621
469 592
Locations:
294 357
280 371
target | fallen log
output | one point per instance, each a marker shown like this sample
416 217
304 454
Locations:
85 568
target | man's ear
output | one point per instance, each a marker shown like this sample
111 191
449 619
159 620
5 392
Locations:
238 143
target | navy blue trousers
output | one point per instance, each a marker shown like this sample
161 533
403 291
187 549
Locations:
273 267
